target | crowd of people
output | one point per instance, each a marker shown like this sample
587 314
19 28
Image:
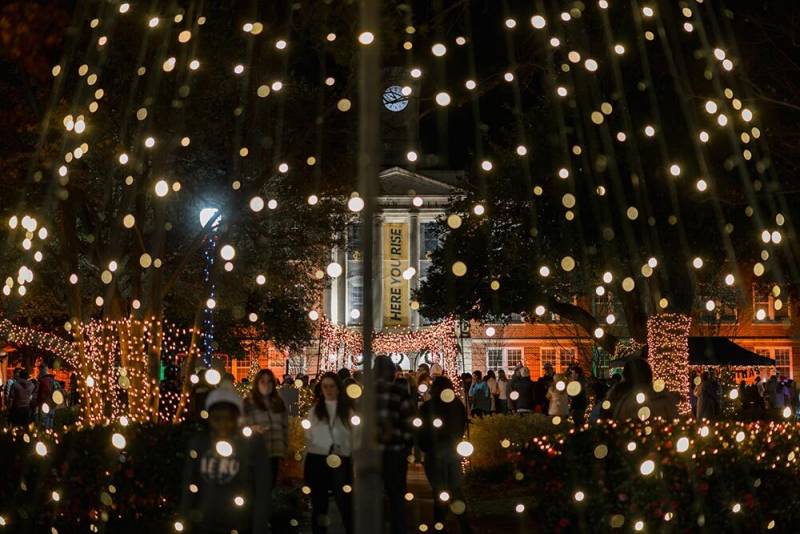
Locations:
421 417
420 410
26 400
774 398
548 395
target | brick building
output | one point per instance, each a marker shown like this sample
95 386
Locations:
408 206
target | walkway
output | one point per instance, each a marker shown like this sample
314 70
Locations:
419 510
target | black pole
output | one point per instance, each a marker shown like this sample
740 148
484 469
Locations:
368 480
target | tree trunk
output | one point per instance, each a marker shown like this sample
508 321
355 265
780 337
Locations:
188 366
668 353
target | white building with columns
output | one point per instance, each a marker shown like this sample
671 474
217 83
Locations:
408 205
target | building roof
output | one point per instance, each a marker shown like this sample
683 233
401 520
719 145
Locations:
397 181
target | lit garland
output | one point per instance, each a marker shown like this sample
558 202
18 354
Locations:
668 353
625 348
440 339
31 337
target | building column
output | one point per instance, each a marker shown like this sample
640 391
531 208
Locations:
413 242
377 274
339 303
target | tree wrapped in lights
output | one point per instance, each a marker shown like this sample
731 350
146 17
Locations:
117 382
668 353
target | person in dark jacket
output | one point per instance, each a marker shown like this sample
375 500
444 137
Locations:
624 399
466 384
344 373
579 402
44 396
480 396
395 410
290 395
540 391
226 479
20 398
522 392
444 422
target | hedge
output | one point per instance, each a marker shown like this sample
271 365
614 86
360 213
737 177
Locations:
722 477
496 438
102 486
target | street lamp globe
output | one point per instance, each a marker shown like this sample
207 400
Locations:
206 214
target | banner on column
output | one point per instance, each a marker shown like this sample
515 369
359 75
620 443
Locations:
395 287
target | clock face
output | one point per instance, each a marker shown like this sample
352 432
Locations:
393 98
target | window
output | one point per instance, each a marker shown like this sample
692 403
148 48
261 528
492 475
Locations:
559 358
513 358
723 310
494 359
428 243
548 356
601 361
355 279
782 357
783 361
603 304
503 358
566 358
606 305
769 304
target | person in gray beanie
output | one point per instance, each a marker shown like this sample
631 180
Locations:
226 480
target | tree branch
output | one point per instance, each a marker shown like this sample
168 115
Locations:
585 320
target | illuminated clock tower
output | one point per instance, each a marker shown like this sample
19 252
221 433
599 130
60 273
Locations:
399 116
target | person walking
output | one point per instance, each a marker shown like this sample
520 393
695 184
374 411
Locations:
395 410
494 392
502 392
512 382
20 399
770 390
542 387
329 445
7 389
522 392
466 385
290 395
707 400
45 407
267 416
599 390
226 479
74 394
480 395
558 401
444 422
580 401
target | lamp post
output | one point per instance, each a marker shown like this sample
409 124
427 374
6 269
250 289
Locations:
209 216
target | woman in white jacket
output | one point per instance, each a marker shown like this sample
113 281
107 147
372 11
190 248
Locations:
329 446
557 395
